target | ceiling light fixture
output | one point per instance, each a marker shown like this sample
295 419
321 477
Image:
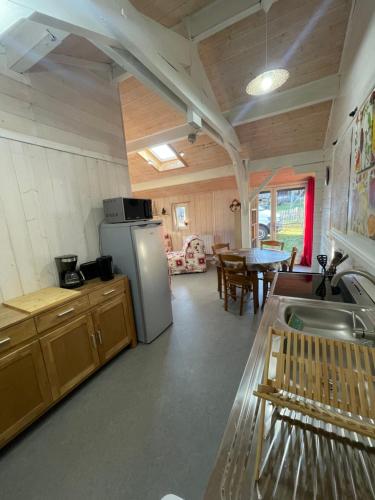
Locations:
269 80
181 153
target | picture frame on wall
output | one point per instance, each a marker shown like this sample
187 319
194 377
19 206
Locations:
362 181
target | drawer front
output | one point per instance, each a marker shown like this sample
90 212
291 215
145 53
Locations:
16 334
105 293
60 314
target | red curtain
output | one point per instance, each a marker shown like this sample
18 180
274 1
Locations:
306 258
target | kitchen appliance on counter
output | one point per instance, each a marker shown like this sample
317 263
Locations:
137 250
126 209
69 277
105 270
89 270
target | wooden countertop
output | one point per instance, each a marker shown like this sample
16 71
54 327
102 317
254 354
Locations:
10 317
297 461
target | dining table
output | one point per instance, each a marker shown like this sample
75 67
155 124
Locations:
257 259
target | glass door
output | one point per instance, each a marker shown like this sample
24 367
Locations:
281 216
290 217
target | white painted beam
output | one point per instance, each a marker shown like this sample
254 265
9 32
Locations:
311 93
217 16
178 180
118 74
165 137
28 42
164 58
78 62
308 161
315 92
10 15
305 159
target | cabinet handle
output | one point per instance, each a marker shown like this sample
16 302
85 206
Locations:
4 341
109 291
65 312
93 340
100 337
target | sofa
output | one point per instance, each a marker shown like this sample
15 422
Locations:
191 259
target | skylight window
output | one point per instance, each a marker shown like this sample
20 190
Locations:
164 152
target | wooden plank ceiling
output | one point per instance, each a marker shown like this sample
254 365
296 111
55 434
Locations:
169 12
145 112
293 132
303 37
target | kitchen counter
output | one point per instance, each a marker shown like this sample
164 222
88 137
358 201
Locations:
10 316
298 461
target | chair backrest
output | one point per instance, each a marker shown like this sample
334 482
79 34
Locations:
219 246
232 263
293 259
272 243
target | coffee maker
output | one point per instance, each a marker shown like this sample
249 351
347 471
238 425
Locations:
69 277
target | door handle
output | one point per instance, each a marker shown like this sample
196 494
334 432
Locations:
93 339
65 312
4 341
99 333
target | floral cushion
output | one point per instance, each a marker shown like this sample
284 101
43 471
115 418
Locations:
191 259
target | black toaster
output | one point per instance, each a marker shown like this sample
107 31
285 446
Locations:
89 270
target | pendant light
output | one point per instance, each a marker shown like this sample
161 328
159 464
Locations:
269 80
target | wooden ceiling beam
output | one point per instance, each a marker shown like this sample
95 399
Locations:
307 161
217 16
164 59
27 42
303 96
165 137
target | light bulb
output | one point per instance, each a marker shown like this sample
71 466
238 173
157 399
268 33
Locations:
266 83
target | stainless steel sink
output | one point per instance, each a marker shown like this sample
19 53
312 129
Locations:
328 319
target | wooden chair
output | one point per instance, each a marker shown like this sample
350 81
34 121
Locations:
267 277
321 378
219 246
289 265
236 275
272 243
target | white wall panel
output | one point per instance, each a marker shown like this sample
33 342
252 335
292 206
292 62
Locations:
50 204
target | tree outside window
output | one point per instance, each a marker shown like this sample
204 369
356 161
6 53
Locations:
181 216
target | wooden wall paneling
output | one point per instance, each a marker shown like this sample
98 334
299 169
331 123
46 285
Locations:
15 220
87 203
29 191
48 212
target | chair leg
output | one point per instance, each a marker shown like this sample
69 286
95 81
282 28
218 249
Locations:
219 282
255 286
225 297
260 441
242 297
265 291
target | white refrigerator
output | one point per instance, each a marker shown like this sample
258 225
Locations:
137 250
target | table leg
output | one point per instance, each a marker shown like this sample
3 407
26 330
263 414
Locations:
254 279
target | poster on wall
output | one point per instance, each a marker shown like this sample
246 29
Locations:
362 192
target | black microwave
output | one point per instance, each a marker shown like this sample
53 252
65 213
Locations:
126 209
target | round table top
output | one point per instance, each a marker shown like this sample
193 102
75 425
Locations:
259 257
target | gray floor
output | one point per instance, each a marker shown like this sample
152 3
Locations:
150 422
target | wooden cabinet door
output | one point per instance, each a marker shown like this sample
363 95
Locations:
24 389
111 325
70 354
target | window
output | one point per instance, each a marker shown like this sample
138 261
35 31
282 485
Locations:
180 213
163 157
164 152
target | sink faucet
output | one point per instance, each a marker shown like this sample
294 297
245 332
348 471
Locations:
365 274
